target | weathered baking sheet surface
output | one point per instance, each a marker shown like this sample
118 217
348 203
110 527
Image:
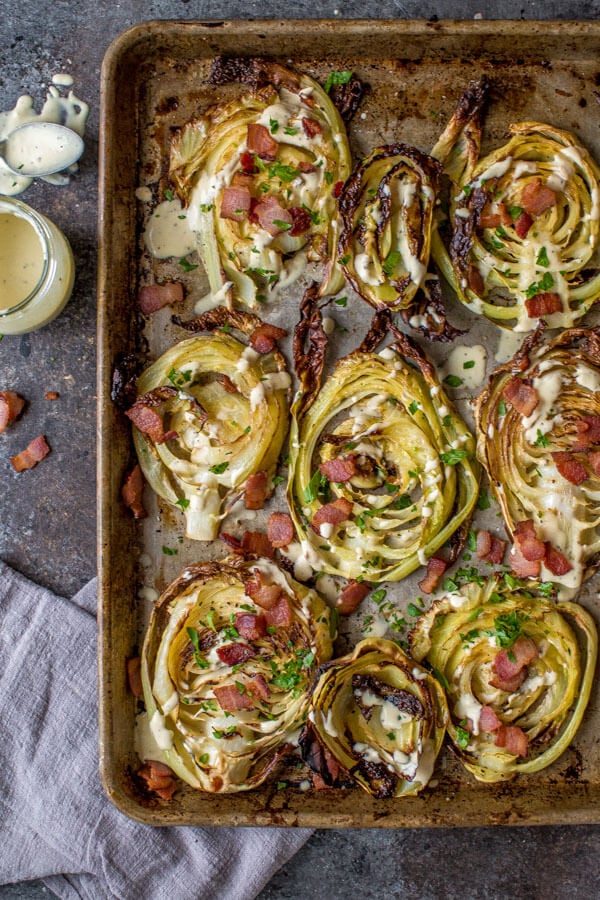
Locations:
154 79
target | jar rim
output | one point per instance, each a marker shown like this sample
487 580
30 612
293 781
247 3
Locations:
17 208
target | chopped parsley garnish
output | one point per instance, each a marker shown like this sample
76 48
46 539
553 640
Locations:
283 172
210 621
329 177
462 736
413 610
545 588
470 637
537 287
277 479
283 226
514 212
509 627
502 408
187 266
483 501
203 759
205 207
403 502
200 661
413 407
449 585
469 364
183 503
273 126
541 440
169 552
178 379
290 130
169 195
453 381
335 78
344 260
341 301
542 258
472 541
318 484
219 468
378 596
467 189
453 457
391 261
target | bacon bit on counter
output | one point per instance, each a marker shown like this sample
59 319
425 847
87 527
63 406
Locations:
34 453
259 141
235 203
131 492
265 336
155 296
255 490
332 513
268 212
488 720
250 626
543 304
435 569
257 543
234 654
513 739
536 198
338 469
588 432
149 422
510 666
264 593
159 779
523 224
281 614
311 127
556 562
11 407
230 698
351 596
280 529
569 467
522 396
51 395
490 548
134 676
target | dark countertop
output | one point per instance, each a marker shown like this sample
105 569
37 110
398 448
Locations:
47 518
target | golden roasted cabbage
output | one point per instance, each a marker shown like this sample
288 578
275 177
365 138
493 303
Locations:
210 420
378 718
522 222
382 468
544 462
259 175
517 669
226 682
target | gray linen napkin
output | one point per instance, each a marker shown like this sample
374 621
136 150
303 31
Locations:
55 821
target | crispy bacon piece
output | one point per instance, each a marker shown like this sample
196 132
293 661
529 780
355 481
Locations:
543 304
528 542
11 407
250 626
435 569
311 127
488 720
231 699
523 224
148 421
226 383
155 296
569 467
588 432
510 666
521 566
513 739
556 562
337 189
489 219
259 141
234 654
522 396
158 778
338 469
351 596
490 548
51 395
301 220
34 453
306 167
248 164
475 280
134 676
255 490
265 336
264 593
332 513
235 203
594 461
257 543
257 687
231 541
131 492
281 614
242 179
536 198
280 529
268 212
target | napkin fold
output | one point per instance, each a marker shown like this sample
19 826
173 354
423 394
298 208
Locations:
55 821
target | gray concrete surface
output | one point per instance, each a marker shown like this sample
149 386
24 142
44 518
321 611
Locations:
50 535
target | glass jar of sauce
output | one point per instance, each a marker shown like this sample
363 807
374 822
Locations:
36 268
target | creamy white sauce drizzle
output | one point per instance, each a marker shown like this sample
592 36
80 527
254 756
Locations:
168 233
473 375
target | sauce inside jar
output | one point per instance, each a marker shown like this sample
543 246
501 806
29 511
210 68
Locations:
22 259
